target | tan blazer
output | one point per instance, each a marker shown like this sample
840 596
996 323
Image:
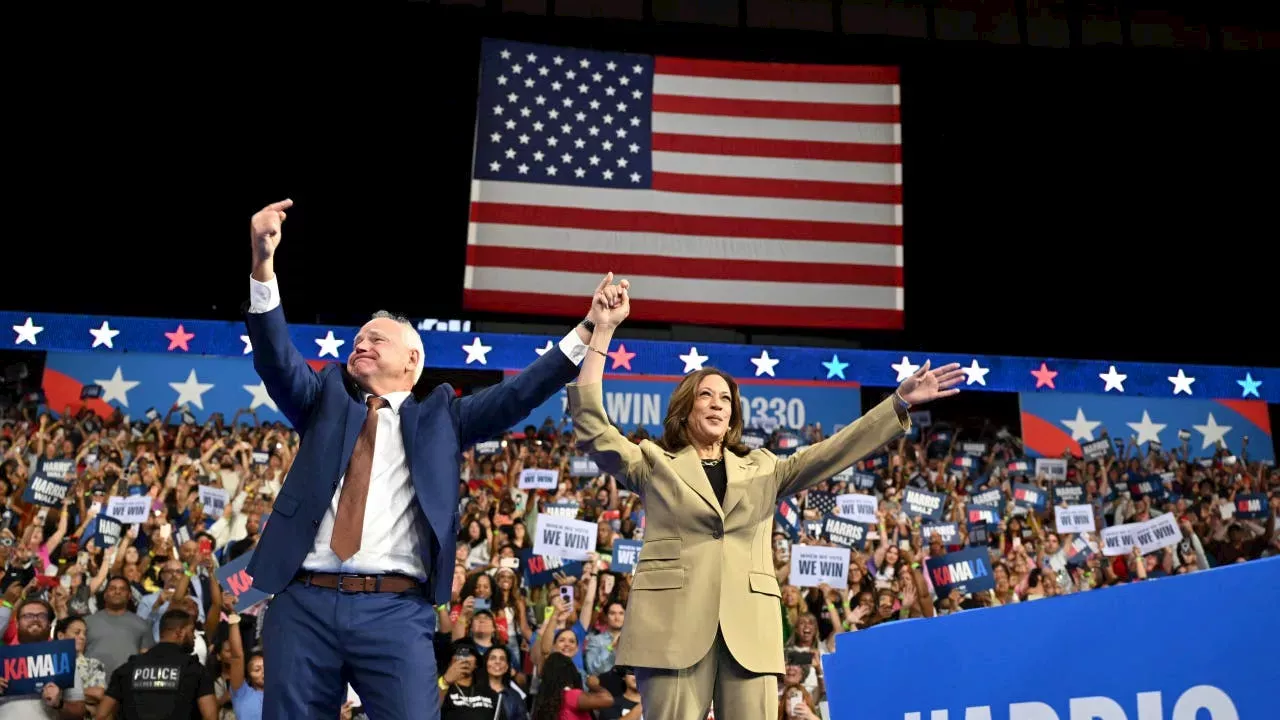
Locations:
704 567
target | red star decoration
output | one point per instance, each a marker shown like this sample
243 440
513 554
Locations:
621 358
179 338
1044 376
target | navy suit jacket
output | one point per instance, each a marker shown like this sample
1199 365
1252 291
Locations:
326 410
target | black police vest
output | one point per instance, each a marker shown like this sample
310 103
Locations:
160 684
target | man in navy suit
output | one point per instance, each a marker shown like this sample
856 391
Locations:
360 546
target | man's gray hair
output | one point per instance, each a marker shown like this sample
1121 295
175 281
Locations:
411 338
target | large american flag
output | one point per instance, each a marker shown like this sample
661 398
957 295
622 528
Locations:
729 193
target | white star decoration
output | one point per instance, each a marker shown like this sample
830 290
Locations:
103 335
905 368
260 396
1147 430
974 374
27 332
764 364
116 388
191 390
835 368
1212 432
541 351
1181 382
1081 428
477 352
1113 379
693 361
248 345
329 345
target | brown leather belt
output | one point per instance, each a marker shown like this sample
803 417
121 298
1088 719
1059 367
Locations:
354 583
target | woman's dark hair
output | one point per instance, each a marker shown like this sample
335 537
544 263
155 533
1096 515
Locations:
558 675
510 668
67 622
464 534
675 431
469 587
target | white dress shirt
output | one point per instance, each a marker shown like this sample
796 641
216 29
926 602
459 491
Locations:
394 526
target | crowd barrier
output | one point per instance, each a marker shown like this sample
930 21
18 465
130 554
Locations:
1193 647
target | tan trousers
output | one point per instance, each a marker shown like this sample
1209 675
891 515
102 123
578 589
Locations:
739 694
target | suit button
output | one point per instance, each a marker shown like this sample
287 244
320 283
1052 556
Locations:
717 534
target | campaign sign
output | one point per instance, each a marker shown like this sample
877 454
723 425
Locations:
214 500
1074 518
1159 532
583 466
626 553
1069 493
1052 468
984 514
105 531
1079 550
539 479
967 570
1233 675
564 537
234 578
130 510
923 503
641 401
979 535
863 481
993 498
844 532
562 509
1029 496
860 508
539 570
45 491
1096 450
812 565
1151 486
30 666
1252 506
948 533
56 469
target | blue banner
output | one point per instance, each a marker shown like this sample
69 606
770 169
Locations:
1052 423
640 401
1233 674
539 570
191 339
30 666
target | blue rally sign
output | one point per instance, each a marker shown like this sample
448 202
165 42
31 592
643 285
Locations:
1233 674
31 666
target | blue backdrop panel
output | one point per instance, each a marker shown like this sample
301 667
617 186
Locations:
638 401
1053 423
496 351
1136 652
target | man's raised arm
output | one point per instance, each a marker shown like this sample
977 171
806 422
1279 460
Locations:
290 381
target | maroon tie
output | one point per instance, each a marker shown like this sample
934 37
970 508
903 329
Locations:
348 527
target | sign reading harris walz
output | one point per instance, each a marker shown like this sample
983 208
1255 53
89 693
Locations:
1233 676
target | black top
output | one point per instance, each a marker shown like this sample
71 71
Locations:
475 702
719 480
164 683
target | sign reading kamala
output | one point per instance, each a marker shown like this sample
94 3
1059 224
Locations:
641 401
29 666
1054 422
1233 676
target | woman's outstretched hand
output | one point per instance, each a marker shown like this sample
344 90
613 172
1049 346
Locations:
926 385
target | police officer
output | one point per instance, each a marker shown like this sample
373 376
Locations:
165 683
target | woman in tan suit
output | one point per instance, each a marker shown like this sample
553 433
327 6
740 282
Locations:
702 622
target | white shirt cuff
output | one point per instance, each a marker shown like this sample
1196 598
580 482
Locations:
573 347
263 296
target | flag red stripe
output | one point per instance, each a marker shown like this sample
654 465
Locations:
761 187
698 313
705 268
760 147
776 109
707 226
733 70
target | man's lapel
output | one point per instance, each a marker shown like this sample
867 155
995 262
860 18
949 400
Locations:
689 469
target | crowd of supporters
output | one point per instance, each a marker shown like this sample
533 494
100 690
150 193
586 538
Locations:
502 643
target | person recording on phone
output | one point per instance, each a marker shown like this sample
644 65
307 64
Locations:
702 621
